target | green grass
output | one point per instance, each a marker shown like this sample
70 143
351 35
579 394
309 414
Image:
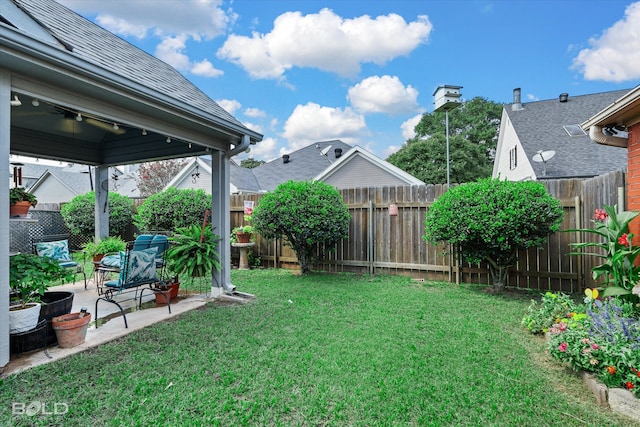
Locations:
320 350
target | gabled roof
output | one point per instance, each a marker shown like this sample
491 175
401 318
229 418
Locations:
539 127
358 151
92 43
303 164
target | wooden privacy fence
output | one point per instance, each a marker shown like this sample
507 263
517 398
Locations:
382 244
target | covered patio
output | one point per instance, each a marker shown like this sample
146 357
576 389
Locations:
71 91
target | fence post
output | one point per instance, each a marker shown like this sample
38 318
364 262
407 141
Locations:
579 260
370 232
621 201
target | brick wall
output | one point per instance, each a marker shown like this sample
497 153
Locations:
633 179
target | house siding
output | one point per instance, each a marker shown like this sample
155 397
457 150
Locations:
359 172
509 141
633 178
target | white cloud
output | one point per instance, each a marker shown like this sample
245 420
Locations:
205 68
311 123
408 127
532 97
171 51
384 94
615 55
254 126
265 149
198 19
390 150
325 41
230 105
122 27
254 112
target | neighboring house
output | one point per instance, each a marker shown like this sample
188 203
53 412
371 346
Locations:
334 162
618 125
538 128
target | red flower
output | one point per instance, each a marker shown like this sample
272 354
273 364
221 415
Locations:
611 370
623 240
600 215
628 385
563 347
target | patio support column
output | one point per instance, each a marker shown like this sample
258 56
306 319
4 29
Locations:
101 187
221 281
5 143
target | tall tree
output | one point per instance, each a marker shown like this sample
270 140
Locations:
473 135
153 177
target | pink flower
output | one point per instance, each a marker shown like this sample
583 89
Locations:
593 361
562 326
586 350
624 240
595 346
563 347
600 215
584 340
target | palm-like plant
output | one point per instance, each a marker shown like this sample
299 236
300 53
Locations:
193 251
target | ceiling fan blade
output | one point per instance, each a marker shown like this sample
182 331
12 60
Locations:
104 126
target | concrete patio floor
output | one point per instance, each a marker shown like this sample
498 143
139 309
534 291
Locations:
107 331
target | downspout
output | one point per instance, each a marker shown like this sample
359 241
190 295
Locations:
596 134
246 141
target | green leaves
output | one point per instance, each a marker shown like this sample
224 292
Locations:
79 214
491 219
306 213
171 209
193 251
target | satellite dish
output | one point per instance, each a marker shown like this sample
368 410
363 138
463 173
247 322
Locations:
543 157
325 150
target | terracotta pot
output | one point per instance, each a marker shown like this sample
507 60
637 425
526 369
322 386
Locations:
71 329
55 304
19 209
244 237
171 293
97 257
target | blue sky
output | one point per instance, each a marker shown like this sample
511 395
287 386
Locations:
363 71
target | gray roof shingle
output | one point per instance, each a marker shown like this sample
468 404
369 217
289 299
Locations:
304 164
98 46
539 126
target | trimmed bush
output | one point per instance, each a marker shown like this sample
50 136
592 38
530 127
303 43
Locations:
79 214
490 220
306 213
172 209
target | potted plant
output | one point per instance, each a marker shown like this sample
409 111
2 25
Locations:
71 329
244 233
29 277
107 245
193 251
20 200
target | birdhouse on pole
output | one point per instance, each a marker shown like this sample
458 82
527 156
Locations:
447 97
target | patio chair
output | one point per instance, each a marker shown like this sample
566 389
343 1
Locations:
58 250
136 274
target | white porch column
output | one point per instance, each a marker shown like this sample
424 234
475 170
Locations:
101 187
5 138
221 281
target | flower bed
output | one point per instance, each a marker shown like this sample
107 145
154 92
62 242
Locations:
598 337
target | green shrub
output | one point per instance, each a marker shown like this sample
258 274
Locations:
172 209
306 213
490 220
79 214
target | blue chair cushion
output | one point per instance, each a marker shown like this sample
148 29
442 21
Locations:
112 261
58 250
68 264
141 266
143 241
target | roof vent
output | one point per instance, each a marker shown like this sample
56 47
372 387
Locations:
285 158
564 97
517 103
337 152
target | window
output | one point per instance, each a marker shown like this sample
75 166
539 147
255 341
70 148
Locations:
574 130
513 158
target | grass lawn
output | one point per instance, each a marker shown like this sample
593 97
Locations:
320 350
